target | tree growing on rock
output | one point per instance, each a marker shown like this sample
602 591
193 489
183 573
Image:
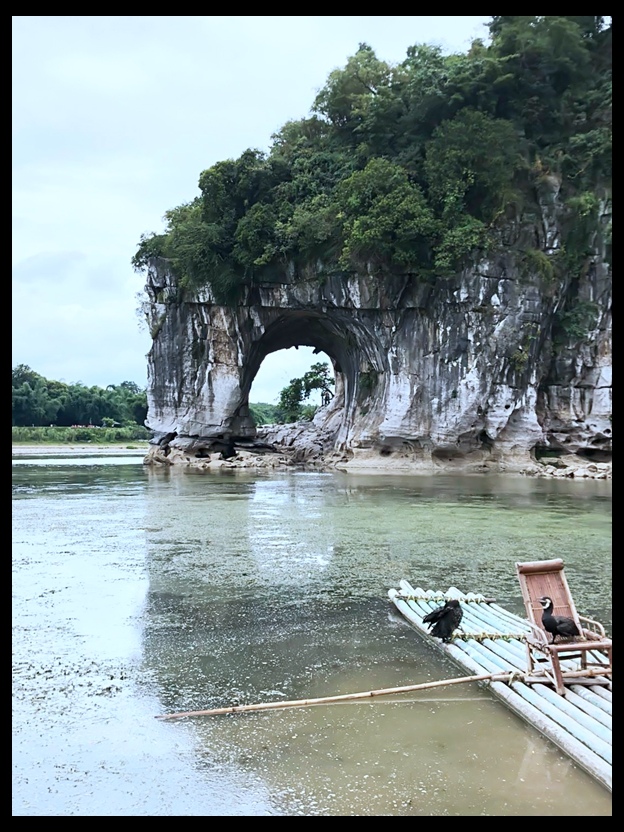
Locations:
291 407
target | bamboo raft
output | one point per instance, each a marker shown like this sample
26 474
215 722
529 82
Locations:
490 639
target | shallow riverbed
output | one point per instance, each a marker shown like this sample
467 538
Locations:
138 592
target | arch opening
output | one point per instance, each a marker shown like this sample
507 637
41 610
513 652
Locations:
278 373
334 337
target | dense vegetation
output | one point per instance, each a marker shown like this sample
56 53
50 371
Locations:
263 413
38 401
412 167
53 411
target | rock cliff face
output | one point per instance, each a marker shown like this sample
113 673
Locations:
477 371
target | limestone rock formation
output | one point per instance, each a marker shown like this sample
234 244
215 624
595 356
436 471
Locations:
474 372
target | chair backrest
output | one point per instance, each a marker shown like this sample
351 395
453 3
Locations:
546 577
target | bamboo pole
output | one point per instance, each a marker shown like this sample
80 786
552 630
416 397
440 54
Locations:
295 703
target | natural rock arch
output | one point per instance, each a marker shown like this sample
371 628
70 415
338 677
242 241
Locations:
428 374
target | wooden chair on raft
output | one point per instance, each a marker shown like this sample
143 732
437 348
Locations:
593 648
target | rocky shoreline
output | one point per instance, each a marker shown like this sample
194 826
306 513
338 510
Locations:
569 466
311 446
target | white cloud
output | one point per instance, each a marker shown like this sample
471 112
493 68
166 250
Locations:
114 118
101 76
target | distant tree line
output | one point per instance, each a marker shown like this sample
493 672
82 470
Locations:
38 401
263 413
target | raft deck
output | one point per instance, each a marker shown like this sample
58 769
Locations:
490 639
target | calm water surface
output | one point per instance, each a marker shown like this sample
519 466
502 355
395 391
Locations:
140 592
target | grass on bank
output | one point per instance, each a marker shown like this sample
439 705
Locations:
78 435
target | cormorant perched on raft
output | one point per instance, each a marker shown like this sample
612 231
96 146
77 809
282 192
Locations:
444 620
558 625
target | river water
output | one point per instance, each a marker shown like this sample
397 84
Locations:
140 592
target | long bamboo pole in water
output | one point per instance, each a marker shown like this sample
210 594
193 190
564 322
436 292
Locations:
297 703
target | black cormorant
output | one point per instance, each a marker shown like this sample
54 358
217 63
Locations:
444 620
558 625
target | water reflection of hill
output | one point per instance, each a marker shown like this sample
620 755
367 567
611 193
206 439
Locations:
274 587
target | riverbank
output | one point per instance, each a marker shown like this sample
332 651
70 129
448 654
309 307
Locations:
567 467
133 448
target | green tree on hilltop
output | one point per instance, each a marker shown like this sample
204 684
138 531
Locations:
413 168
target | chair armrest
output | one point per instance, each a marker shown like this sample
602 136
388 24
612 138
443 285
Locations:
600 629
589 644
538 637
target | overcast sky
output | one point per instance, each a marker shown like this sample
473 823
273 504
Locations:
114 118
